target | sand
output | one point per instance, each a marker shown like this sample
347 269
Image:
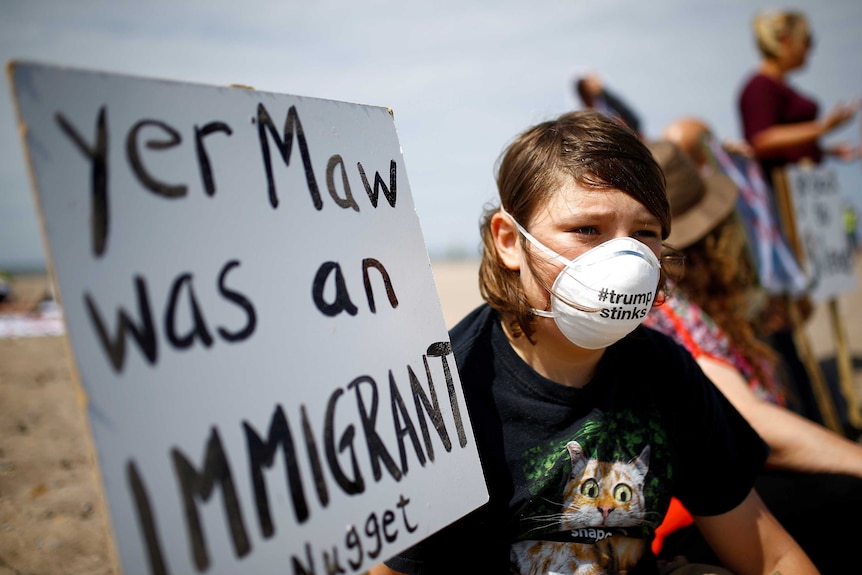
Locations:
52 515
53 518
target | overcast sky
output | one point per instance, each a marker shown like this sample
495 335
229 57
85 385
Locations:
462 76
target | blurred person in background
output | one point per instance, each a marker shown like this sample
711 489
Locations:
784 126
594 95
707 310
779 274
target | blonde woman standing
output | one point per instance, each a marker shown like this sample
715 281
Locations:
782 124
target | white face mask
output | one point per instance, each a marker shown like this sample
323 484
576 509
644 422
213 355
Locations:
604 294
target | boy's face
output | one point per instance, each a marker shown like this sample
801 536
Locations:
574 220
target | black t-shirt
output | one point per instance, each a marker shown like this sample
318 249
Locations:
587 473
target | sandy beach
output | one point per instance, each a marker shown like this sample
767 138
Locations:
53 518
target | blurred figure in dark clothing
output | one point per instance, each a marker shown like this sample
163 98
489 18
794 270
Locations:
594 94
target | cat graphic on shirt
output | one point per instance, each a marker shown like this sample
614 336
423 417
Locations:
600 500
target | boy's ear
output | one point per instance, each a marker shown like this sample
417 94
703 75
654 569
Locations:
507 240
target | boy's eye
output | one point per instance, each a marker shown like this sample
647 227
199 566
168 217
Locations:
646 234
586 231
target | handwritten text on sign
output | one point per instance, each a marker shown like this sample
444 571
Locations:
828 255
253 317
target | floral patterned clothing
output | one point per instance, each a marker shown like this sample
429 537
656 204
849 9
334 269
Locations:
692 328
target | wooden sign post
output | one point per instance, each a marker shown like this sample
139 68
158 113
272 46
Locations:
253 319
811 211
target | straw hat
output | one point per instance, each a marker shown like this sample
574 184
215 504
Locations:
697 204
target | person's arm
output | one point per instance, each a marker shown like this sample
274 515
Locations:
749 540
796 443
777 138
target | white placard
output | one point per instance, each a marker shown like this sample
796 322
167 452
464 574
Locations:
828 255
253 317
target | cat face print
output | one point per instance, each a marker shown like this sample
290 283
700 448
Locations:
604 493
600 500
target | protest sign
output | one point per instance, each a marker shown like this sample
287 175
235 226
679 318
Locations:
818 213
253 319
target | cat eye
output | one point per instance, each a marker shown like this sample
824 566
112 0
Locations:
590 489
623 493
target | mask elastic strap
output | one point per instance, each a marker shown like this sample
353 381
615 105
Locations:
553 255
542 247
543 313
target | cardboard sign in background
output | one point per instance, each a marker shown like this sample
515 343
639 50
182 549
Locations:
253 318
817 205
